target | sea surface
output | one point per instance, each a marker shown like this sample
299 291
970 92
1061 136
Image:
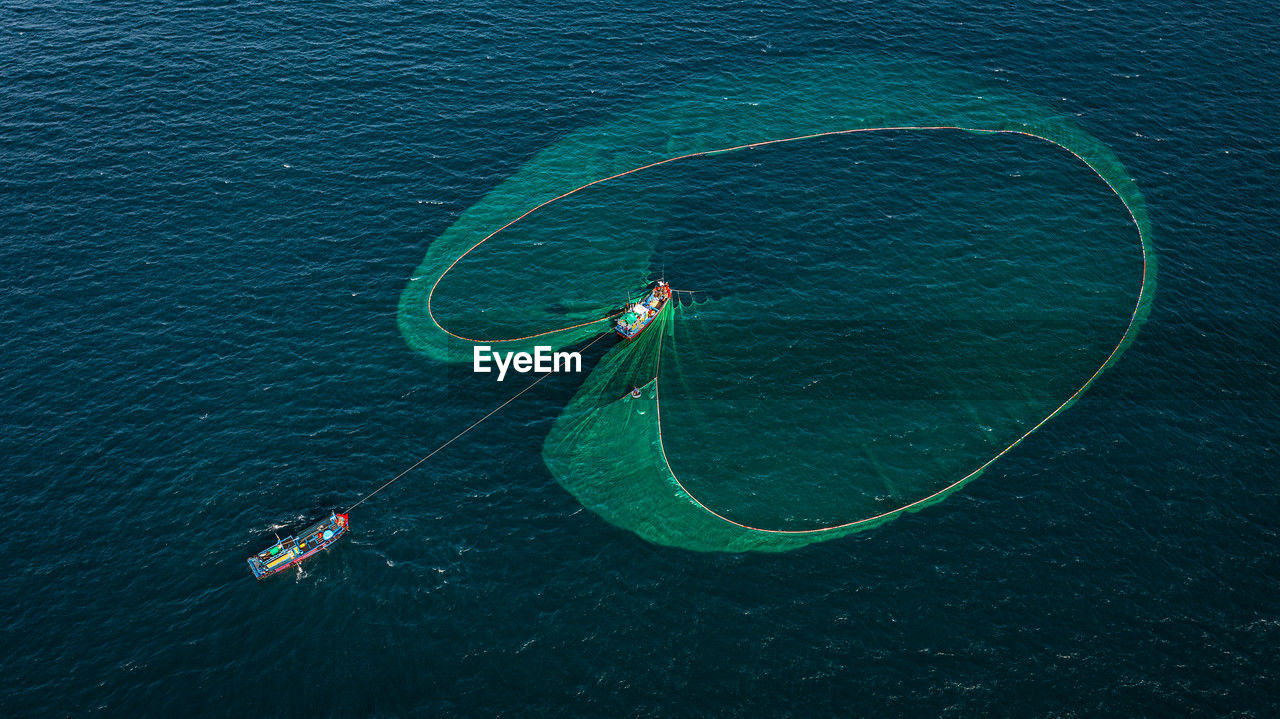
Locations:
208 213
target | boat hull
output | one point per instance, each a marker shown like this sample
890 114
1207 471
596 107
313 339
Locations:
294 550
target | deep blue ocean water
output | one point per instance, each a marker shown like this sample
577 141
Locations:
209 211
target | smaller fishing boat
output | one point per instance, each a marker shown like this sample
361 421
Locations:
637 317
288 552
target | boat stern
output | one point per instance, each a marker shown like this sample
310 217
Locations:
255 566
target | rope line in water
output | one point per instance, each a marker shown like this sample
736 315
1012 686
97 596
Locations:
472 426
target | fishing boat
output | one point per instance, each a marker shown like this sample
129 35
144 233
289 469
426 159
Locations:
636 318
288 552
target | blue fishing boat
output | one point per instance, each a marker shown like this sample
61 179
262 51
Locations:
637 317
288 552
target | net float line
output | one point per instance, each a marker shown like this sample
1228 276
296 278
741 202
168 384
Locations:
1143 299
1144 293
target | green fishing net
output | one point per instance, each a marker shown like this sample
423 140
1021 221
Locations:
904 274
